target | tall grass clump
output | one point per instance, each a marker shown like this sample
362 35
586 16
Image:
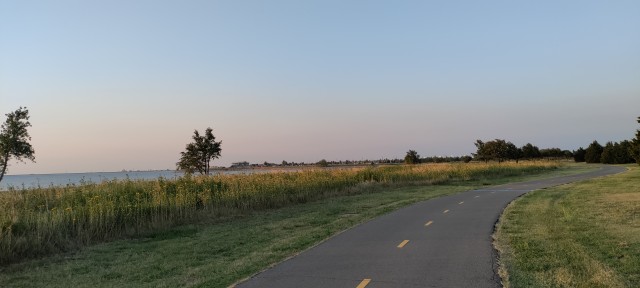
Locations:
40 221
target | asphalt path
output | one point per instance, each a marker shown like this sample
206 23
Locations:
442 242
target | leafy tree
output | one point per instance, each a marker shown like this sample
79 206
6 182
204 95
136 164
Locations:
14 139
481 153
608 153
579 155
635 146
529 151
593 152
323 163
198 154
412 157
552 153
623 152
497 149
513 152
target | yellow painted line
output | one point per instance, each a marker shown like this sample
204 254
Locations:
445 211
428 223
364 283
403 243
461 202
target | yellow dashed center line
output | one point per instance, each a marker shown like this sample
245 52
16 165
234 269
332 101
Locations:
428 223
461 202
445 211
403 243
364 283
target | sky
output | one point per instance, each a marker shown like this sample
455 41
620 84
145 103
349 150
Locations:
114 85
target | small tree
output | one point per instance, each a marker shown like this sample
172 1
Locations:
579 155
635 146
198 154
323 163
608 154
412 157
530 151
14 139
593 152
497 149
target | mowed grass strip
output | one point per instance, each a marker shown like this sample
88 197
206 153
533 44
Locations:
584 234
218 251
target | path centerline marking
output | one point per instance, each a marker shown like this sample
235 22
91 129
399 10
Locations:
403 243
445 211
477 197
364 283
461 202
428 223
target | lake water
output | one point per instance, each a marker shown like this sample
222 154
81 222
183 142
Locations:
61 179
46 180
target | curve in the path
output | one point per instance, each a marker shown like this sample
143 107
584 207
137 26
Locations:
442 242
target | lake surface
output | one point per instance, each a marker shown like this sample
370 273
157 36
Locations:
62 179
46 180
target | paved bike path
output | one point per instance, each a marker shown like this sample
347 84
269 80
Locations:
442 242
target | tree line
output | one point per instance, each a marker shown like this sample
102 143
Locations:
502 150
623 152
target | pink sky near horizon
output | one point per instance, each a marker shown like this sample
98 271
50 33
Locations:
304 81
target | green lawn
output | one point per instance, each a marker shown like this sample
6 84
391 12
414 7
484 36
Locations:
217 253
584 234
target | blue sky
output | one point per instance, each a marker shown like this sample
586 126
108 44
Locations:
117 85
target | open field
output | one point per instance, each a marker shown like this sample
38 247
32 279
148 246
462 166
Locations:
217 251
42 221
584 234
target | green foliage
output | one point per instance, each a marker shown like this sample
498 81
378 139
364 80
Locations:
323 163
635 146
617 153
529 151
497 149
14 139
198 154
411 157
42 221
579 155
593 152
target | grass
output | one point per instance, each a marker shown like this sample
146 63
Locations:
583 234
218 251
43 221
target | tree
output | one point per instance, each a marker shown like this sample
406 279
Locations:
513 152
623 152
323 163
481 153
412 157
593 152
14 139
635 145
198 154
608 153
579 155
497 149
529 151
